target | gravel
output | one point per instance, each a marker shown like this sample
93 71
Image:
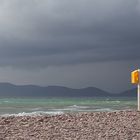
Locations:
121 125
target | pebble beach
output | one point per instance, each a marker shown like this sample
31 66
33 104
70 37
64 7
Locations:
121 125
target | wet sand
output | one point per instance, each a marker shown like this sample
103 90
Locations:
122 125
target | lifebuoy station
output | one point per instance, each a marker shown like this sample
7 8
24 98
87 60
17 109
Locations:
135 79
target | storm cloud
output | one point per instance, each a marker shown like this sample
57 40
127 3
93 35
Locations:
49 33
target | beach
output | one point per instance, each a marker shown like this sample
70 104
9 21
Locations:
120 125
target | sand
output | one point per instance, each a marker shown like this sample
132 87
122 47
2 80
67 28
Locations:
122 125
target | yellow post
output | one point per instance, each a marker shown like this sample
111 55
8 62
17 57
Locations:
135 79
138 91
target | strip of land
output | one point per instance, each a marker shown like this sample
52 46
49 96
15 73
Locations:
79 126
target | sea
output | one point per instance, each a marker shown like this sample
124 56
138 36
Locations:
53 106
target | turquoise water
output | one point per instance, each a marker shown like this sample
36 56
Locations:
23 106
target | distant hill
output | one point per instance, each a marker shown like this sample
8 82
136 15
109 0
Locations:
10 90
129 93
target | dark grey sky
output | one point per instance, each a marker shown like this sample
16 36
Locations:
73 43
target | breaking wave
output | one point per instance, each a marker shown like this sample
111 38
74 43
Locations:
37 113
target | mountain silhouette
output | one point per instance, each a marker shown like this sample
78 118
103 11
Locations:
10 90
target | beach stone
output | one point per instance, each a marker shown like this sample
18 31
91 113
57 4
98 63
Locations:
121 125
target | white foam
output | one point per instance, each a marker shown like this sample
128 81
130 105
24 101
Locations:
36 109
76 106
103 109
37 113
117 101
6 101
72 108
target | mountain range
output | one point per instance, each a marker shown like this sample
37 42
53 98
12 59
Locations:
10 90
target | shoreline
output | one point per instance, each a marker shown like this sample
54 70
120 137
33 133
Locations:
54 113
78 126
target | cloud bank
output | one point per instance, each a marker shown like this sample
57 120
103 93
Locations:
36 33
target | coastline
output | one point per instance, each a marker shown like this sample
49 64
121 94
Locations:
72 126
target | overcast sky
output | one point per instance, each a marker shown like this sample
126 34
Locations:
73 43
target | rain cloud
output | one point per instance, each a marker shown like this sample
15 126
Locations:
39 34
48 32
